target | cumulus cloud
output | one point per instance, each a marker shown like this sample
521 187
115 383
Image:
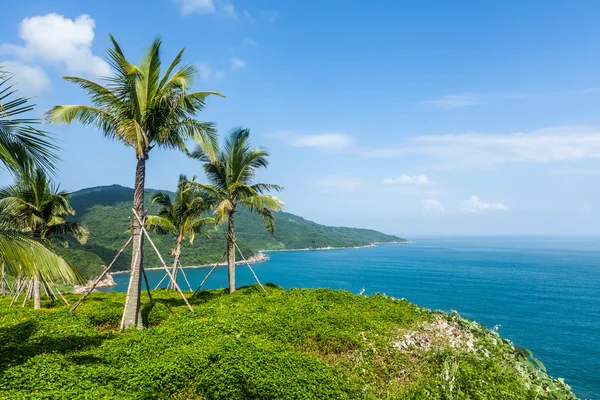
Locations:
432 206
59 41
476 205
196 6
250 42
237 63
456 100
32 80
339 182
418 180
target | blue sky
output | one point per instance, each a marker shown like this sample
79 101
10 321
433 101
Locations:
418 117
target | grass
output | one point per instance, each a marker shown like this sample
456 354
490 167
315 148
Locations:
296 344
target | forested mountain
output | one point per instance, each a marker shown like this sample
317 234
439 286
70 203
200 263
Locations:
105 211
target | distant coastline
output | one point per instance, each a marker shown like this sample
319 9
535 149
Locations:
262 256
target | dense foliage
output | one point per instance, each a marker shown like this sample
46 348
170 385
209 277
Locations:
105 210
301 343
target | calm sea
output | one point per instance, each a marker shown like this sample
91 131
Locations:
543 291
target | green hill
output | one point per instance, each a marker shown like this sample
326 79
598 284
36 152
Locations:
105 211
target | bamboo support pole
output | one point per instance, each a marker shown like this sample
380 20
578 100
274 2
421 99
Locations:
251 270
184 276
28 293
59 293
18 291
147 286
162 261
102 275
209 272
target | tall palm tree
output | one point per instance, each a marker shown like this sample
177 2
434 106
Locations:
23 148
231 173
36 207
184 216
142 109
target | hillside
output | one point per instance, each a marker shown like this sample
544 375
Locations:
105 211
297 344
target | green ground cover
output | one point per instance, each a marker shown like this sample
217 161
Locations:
296 344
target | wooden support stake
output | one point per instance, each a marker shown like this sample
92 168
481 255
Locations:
102 275
161 281
162 261
28 293
184 276
59 293
18 291
147 286
209 272
251 270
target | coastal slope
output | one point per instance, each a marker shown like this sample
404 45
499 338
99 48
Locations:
105 211
296 344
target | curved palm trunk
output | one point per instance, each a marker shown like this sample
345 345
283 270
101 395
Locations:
176 256
132 315
231 253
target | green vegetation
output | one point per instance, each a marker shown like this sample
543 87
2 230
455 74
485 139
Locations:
104 210
231 174
302 343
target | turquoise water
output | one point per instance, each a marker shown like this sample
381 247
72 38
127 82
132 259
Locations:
543 291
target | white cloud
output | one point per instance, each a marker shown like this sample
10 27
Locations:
59 41
432 206
250 42
475 205
340 182
456 100
32 80
482 150
472 99
196 6
237 63
324 141
272 16
230 10
204 71
418 180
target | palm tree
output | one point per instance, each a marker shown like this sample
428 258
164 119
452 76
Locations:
231 173
23 148
142 109
184 216
36 207
22 145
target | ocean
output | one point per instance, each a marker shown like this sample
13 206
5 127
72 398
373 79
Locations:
543 293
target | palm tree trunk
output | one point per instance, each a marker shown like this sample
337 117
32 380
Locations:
37 301
231 253
176 255
132 315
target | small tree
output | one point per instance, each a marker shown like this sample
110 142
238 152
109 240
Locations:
231 174
23 148
36 207
184 216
